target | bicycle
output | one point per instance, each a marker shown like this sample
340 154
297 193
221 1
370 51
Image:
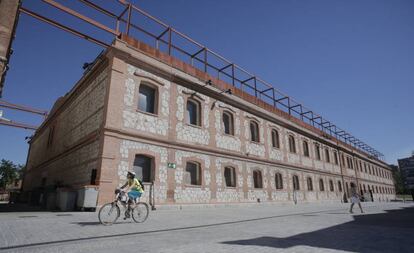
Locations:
110 212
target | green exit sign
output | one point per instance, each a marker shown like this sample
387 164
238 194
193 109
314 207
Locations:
171 165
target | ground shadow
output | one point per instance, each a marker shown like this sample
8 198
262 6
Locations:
23 207
156 230
11 208
89 223
383 232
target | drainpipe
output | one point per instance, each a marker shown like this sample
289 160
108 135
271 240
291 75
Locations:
356 174
152 197
342 174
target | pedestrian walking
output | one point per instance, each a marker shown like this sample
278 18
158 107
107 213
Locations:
355 199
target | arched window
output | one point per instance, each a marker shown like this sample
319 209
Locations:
230 176
321 185
193 112
305 148
309 183
292 145
193 172
348 162
254 131
365 189
327 157
339 186
331 186
257 179
335 158
278 181
228 123
317 152
147 99
296 185
275 139
144 168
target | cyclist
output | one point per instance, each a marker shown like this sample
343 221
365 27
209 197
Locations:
134 190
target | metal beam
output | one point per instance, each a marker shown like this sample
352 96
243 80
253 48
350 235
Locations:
80 16
17 124
63 27
9 105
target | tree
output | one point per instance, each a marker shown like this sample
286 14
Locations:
9 172
399 181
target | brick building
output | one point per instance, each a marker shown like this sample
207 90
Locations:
140 109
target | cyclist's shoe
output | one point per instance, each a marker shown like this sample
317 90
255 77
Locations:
127 215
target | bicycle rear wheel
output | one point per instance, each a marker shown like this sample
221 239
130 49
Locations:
140 212
109 213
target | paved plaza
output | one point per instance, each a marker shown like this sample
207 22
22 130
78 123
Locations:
328 227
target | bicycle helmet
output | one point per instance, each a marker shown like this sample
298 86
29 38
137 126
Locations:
131 173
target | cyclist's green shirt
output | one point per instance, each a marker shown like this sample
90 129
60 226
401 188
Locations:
135 185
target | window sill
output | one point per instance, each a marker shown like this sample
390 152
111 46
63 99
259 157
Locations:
255 142
229 135
195 126
231 187
193 186
147 113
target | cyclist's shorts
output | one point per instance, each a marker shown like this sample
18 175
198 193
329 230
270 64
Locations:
134 194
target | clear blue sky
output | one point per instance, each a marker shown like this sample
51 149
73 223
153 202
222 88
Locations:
350 61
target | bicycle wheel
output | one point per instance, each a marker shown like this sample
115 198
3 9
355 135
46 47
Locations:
108 214
140 212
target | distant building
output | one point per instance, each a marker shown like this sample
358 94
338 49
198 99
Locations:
407 170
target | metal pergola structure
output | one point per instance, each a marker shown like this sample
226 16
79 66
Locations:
167 39
11 106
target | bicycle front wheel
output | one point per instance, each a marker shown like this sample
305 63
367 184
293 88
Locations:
109 213
140 212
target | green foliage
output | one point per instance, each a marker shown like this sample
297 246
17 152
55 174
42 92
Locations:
9 172
399 182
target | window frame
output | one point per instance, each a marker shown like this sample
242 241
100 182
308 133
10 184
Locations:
321 185
278 181
257 174
336 160
292 143
327 155
231 122
309 183
339 186
295 182
198 112
256 130
275 138
151 169
199 179
233 176
305 145
156 97
318 152
331 185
